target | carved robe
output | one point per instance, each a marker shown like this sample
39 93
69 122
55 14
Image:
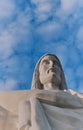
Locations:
53 110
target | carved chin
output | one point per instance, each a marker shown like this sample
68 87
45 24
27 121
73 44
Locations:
51 78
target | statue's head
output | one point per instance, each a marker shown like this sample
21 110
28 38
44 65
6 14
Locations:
49 70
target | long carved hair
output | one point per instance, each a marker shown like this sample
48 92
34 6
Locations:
36 84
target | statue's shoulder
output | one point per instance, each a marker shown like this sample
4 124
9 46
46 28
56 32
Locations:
78 94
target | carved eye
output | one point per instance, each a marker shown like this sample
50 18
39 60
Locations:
46 62
55 62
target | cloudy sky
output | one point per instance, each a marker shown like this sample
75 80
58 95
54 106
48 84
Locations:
31 28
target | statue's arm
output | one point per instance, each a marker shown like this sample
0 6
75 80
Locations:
24 121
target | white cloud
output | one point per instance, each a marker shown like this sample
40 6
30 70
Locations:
6 8
68 6
49 31
8 84
44 9
49 36
6 43
16 38
17 32
81 3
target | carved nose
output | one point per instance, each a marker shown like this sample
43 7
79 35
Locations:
51 63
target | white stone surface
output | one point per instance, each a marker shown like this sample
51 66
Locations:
53 110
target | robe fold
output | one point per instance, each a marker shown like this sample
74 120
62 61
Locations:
62 112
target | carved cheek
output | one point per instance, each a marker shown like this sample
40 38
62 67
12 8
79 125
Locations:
42 70
45 69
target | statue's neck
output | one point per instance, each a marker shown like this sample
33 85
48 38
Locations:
50 86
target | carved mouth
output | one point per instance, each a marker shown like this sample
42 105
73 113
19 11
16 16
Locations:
51 70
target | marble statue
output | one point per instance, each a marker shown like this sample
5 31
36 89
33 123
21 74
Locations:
51 106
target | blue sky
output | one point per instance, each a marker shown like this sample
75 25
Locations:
31 28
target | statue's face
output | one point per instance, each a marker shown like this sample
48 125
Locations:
50 71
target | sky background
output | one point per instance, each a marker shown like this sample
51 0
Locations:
31 28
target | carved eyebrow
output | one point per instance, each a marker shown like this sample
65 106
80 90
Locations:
45 60
56 61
